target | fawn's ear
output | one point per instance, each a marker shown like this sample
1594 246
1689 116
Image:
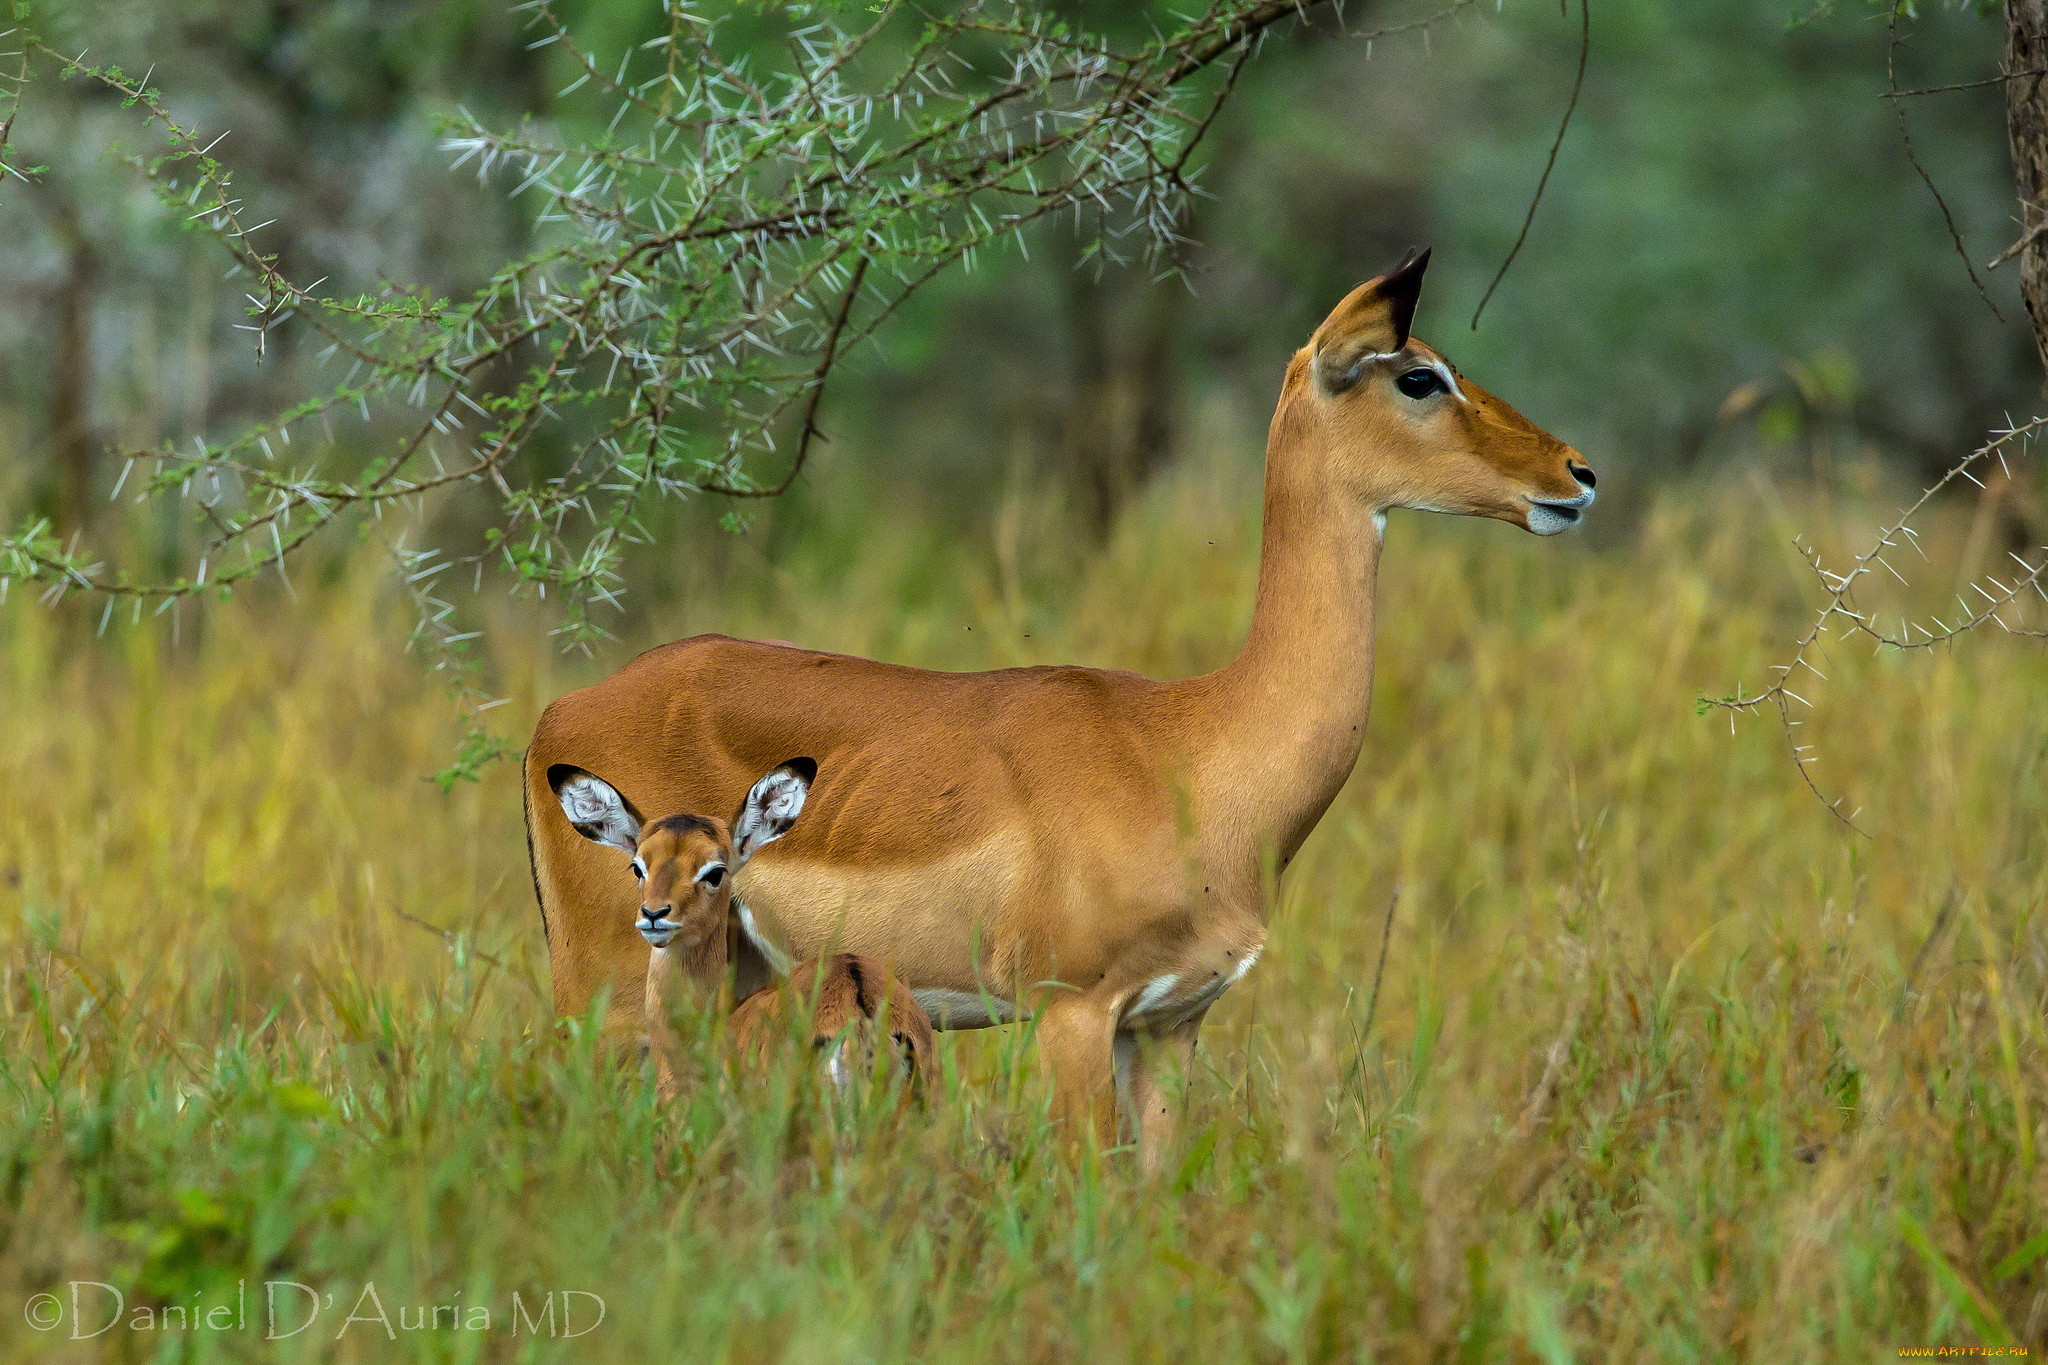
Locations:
595 808
1370 323
771 808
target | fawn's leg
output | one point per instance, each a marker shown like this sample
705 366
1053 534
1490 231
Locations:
1145 1061
1074 1039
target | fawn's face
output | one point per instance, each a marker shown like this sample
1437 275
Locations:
685 863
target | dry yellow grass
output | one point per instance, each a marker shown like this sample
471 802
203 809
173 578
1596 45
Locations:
1666 1065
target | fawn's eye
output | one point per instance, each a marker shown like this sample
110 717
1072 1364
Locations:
1420 383
713 875
639 869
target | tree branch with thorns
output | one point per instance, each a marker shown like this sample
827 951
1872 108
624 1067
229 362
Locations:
1839 611
700 269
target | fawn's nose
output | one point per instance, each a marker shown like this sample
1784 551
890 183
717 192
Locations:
654 914
1584 474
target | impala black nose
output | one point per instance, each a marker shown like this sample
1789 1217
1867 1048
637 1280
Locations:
655 913
1584 474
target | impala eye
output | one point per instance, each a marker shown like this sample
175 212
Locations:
639 870
713 876
1420 383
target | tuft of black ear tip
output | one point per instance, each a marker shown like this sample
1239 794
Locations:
805 768
1400 287
1413 262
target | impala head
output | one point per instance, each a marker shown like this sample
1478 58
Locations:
685 863
1407 430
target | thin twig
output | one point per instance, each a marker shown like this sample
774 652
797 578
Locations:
1554 1056
2027 239
809 431
14 106
1941 919
2000 79
1354 1073
1571 107
1372 1005
449 938
1891 79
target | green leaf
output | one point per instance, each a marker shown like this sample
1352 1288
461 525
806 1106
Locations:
2021 1257
301 1101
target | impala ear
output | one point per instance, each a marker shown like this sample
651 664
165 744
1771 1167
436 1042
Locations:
595 808
1372 322
771 808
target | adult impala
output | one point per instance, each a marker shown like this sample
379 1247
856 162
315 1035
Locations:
1083 844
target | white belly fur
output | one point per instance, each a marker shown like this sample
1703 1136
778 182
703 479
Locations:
1164 1003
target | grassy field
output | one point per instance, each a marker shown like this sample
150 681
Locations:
1666 1065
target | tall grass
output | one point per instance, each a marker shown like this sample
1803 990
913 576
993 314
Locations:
1665 1064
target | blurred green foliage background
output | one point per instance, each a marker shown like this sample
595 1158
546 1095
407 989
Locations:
1734 251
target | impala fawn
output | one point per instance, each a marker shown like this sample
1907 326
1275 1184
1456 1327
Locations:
686 866
849 998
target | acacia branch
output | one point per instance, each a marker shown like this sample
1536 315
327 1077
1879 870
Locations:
699 273
1840 607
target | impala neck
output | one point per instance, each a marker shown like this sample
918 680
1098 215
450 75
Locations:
1291 709
666 985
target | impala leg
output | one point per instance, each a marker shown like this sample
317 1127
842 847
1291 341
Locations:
1074 1035
1145 1063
